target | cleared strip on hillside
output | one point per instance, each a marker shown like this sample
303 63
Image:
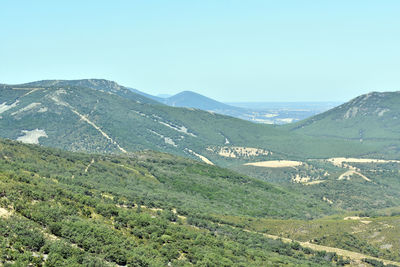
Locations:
275 164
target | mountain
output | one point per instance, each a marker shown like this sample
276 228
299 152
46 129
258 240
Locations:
98 84
60 208
99 116
189 99
195 100
370 118
259 112
103 117
121 206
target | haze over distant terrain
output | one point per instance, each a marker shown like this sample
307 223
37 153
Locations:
259 112
232 51
124 200
200 133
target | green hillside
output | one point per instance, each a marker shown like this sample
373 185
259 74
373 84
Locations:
370 119
155 178
148 201
75 118
149 209
101 116
371 186
374 234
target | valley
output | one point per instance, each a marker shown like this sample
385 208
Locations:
279 186
259 112
111 118
199 133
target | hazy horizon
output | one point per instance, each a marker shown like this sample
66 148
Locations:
231 51
166 95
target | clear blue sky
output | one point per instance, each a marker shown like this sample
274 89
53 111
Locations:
229 50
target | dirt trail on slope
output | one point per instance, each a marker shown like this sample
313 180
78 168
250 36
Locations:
355 256
206 160
88 166
348 174
85 119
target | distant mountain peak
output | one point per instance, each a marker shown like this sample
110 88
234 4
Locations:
188 92
190 99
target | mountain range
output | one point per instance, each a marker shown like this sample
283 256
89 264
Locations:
269 113
190 99
282 194
101 116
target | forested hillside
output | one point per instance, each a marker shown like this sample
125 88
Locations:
101 116
63 209
370 119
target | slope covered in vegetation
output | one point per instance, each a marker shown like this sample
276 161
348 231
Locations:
62 208
101 116
371 119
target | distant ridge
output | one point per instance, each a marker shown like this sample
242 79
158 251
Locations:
373 116
259 112
97 115
156 98
103 117
195 100
98 84
190 99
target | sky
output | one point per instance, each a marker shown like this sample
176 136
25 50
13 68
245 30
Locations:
232 51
